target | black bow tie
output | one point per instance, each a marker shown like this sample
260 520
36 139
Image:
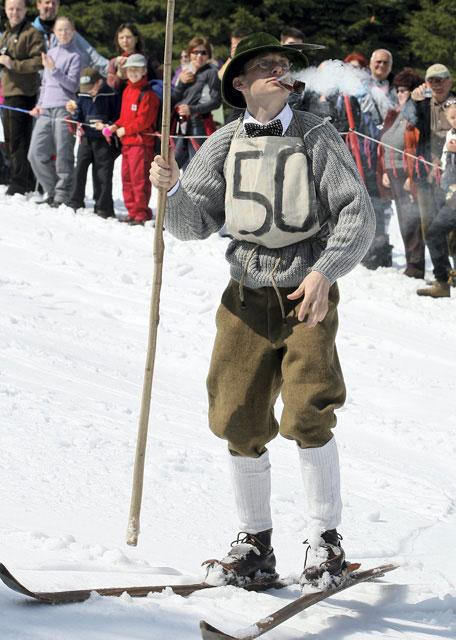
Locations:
254 130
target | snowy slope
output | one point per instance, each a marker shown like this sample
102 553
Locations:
74 298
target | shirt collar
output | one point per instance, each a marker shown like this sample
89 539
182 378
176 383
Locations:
17 27
439 105
284 116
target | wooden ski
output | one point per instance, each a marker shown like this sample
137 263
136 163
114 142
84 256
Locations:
63 597
208 632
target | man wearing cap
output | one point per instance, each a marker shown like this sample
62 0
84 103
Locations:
427 113
291 197
96 103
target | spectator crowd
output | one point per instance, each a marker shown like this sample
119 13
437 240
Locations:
56 89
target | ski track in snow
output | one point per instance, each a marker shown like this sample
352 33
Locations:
74 296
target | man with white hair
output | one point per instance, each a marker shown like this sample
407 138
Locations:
381 63
377 101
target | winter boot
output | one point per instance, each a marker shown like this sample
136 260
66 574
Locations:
379 254
436 290
49 200
104 214
386 254
327 558
414 272
251 558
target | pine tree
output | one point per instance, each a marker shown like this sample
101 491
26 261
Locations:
416 36
431 31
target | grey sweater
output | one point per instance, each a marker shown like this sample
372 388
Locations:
197 209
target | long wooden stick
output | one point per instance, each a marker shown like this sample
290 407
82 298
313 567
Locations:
154 317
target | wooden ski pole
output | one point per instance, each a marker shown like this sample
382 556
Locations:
154 317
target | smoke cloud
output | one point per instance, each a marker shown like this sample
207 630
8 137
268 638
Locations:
335 76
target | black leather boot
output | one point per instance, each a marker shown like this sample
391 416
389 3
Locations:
251 558
330 558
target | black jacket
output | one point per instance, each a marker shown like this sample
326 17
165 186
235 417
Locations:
105 106
418 113
202 95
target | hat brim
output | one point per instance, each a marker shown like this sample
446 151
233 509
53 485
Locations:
305 46
443 76
234 98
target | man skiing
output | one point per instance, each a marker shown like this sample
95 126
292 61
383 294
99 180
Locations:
289 193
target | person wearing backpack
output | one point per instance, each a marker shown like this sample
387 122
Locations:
136 129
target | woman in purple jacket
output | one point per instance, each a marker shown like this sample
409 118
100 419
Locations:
51 148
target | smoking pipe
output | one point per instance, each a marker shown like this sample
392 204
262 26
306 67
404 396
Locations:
297 86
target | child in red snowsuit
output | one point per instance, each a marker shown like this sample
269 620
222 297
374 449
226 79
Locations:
138 117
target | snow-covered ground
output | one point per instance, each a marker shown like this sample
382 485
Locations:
74 300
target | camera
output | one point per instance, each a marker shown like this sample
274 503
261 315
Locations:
3 50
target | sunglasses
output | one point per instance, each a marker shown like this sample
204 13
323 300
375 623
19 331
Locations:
451 102
199 52
268 65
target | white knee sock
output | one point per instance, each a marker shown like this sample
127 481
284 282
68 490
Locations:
321 477
251 479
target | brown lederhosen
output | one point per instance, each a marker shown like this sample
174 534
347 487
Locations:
258 354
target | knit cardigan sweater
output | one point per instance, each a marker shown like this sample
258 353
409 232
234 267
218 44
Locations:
197 209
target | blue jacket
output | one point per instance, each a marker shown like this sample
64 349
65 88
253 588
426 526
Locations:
105 106
89 56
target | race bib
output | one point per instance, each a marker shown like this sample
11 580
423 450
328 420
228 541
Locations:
270 195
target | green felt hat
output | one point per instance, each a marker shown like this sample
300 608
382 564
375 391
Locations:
248 48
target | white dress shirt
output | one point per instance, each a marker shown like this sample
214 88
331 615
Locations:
284 116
